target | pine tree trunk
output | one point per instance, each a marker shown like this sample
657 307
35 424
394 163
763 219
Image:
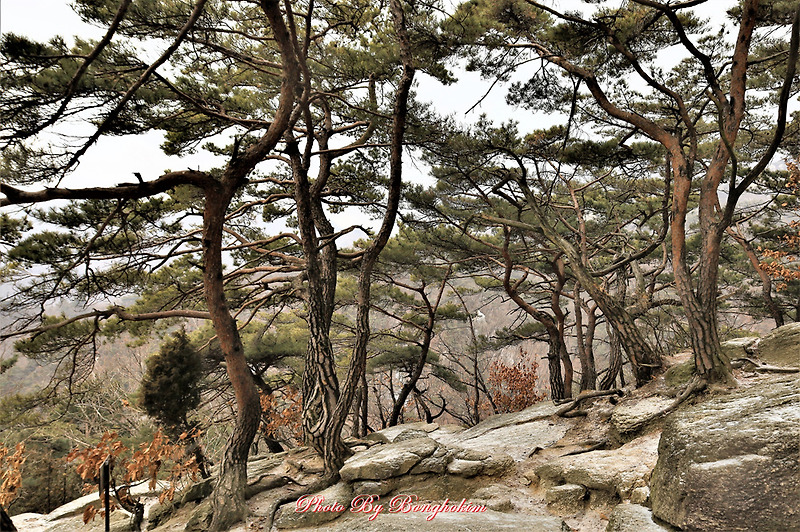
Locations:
228 500
554 351
700 304
614 360
588 373
335 451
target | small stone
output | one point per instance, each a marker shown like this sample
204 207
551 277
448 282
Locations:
565 500
470 454
640 495
464 468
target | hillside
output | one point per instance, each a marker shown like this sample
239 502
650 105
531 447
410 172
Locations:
611 468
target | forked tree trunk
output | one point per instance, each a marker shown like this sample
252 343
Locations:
700 303
425 347
644 359
326 406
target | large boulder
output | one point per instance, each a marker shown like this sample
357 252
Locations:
616 472
387 461
317 509
733 462
781 347
739 347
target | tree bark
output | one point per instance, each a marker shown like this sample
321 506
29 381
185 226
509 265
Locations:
614 361
227 499
588 372
331 417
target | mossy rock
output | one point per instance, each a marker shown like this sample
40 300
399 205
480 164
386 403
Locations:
679 375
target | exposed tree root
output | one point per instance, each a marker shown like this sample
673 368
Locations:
593 446
266 483
355 442
697 384
566 410
313 487
762 368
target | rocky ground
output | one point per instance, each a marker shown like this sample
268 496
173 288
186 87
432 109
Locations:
726 459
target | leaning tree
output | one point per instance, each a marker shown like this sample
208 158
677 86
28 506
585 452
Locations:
711 112
254 84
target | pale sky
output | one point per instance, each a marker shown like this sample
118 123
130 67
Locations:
113 160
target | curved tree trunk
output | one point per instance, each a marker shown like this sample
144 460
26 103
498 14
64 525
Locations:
766 281
334 458
228 498
425 347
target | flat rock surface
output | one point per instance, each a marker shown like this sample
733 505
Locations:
627 418
487 521
733 462
515 434
392 432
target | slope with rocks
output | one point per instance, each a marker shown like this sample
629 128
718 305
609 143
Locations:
719 453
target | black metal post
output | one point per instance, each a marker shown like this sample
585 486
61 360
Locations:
105 481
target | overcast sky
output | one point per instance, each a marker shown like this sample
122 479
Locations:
113 159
